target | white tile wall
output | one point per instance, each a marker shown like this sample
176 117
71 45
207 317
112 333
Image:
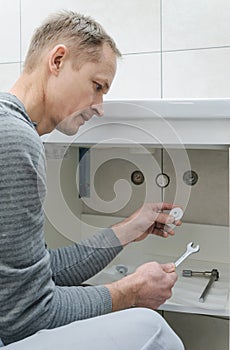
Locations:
138 76
151 67
197 73
195 24
135 25
8 75
34 12
9 31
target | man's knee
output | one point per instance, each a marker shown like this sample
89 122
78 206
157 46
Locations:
161 333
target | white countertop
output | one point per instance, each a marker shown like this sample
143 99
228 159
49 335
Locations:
187 290
155 122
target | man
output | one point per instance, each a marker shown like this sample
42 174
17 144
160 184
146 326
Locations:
70 64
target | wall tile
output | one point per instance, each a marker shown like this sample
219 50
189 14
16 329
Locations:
134 25
8 73
195 24
10 31
200 73
196 74
33 13
138 76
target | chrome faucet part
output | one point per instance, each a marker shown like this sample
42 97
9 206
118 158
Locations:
190 250
190 273
214 277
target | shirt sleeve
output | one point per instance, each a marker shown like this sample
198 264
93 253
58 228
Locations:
29 298
75 264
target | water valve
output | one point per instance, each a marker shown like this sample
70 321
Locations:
190 177
122 269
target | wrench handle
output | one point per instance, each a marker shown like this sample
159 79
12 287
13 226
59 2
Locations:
182 258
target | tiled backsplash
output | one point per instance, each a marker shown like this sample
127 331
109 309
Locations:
194 24
10 36
171 48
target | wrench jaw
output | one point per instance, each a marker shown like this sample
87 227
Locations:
194 249
190 250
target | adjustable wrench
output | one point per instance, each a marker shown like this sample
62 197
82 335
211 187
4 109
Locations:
190 250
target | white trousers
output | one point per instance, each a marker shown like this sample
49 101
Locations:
136 329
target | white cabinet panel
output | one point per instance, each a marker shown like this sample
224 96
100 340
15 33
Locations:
195 24
200 332
196 74
134 24
8 73
10 31
138 76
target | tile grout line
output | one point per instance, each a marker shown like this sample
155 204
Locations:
20 33
136 53
161 50
13 62
176 50
161 85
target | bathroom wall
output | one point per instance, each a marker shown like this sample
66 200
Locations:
205 202
170 48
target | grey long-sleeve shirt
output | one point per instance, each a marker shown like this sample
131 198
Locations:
39 288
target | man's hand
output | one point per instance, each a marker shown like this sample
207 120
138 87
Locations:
149 286
149 219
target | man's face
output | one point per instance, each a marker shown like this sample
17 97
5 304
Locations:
77 95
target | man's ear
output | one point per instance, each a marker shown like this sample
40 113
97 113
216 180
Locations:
56 58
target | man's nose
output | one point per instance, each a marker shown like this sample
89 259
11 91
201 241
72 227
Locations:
98 109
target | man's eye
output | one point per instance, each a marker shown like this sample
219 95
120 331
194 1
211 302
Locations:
99 87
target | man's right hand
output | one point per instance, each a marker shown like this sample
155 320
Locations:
149 286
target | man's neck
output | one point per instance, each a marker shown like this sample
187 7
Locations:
32 97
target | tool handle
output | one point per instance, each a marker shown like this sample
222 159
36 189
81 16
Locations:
205 292
182 258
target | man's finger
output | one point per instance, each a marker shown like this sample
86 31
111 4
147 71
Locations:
170 267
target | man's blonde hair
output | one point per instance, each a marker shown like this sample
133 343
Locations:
83 36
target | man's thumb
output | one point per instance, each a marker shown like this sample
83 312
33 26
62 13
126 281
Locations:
170 267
